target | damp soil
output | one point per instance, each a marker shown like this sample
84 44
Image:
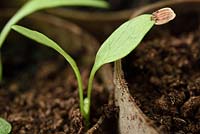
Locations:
39 95
163 76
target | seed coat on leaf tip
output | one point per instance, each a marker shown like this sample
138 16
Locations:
163 16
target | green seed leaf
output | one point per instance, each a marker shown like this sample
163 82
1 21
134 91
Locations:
34 5
125 39
121 42
5 127
44 40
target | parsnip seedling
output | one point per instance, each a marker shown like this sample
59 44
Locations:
44 40
35 5
125 39
121 42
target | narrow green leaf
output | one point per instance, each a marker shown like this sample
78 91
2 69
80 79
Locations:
125 39
5 127
44 40
34 5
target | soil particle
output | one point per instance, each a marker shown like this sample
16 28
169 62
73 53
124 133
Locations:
76 124
191 107
163 76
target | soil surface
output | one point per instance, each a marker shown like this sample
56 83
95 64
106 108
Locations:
163 76
40 95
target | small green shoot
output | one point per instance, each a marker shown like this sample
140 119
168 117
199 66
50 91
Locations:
5 127
119 44
35 5
122 41
44 40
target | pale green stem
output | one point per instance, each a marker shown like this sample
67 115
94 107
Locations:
89 92
77 73
80 86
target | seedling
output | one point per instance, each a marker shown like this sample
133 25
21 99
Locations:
30 7
122 41
35 5
5 127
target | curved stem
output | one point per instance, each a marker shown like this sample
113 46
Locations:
80 87
77 73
